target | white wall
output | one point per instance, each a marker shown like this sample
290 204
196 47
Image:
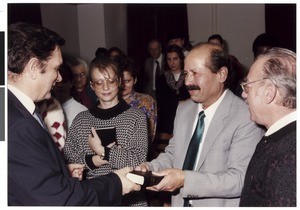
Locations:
63 19
238 24
89 26
116 26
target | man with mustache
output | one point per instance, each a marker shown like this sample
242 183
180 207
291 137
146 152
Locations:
212 174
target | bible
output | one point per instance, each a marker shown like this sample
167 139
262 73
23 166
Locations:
144 179
107 135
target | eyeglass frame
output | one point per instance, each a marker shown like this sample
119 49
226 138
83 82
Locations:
79 75
244 84
100 83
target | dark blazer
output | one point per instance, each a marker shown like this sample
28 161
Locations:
37 174
148 75
167 102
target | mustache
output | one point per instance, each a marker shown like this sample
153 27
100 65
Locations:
193 87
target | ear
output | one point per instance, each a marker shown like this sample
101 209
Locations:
33 67
270 92
223 73
135 81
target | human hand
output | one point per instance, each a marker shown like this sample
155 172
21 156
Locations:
127 185
142 167
95 143
173 180
76 170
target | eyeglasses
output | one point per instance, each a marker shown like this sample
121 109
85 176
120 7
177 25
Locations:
246 88
79 75
100 83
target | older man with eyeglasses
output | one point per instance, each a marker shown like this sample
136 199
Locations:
270 92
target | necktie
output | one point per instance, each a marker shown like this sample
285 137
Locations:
38 117
191 155
157 70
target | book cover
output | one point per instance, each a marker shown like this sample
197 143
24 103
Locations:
107 135
144 179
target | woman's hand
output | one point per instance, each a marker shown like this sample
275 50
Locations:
95 143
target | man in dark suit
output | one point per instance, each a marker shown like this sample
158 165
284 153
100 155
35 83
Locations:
154 66
37 174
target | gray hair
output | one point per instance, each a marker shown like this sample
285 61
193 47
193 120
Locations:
280 68
75 61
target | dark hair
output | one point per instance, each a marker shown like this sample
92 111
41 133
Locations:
127 64
176 49
102 51
120 52
66 73
264 40
217 58
26 41
216 36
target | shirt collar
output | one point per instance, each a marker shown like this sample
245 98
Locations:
23 98
159 58
210 111
281 123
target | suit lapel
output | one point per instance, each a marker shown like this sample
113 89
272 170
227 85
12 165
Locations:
216 126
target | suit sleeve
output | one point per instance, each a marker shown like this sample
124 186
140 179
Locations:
37 173
223 172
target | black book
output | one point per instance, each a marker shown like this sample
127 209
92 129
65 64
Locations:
107 135
144 179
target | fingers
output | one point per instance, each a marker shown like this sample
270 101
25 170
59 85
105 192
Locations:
142 167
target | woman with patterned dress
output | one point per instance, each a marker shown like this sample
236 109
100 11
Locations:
142 101
131 145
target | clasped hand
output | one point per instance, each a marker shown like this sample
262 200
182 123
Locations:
173 178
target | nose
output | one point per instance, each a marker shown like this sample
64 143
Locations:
188 79
105 85
59 78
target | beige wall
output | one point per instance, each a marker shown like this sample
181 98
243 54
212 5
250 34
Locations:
238 24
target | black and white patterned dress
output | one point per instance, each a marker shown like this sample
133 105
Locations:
132 141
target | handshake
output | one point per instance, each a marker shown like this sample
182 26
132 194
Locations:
133 180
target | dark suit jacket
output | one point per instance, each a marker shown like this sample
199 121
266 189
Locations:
148 75
37 174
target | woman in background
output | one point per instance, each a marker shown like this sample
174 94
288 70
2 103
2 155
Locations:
144 102
170 89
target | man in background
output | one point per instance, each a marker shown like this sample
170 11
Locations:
154 67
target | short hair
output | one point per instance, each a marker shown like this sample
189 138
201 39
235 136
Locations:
152 41
75 61
280 68
102 51
102 64
127 64
217 58
264 40
216 36
176 49
26 41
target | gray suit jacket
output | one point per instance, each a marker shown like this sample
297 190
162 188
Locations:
227 148
148 75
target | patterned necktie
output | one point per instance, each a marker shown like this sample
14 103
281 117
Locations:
191 155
